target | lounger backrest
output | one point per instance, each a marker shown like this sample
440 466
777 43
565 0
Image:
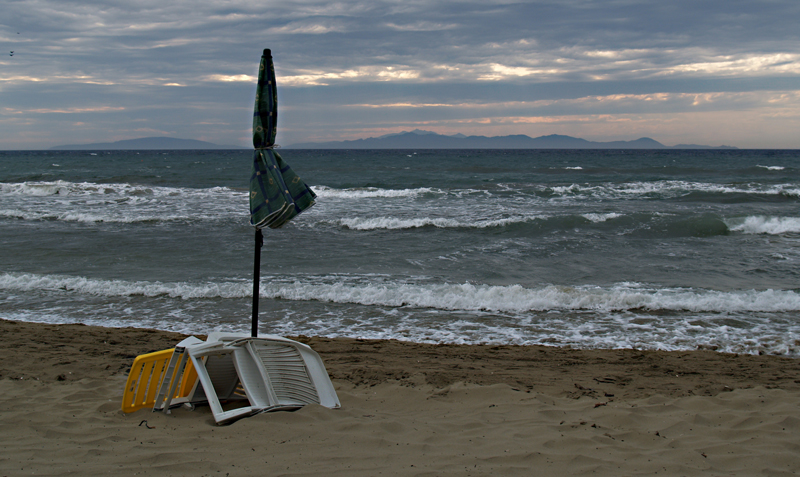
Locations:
286 371
146 373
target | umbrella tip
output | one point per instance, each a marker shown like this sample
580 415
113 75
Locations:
267 53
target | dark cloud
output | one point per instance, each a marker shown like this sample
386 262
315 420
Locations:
108 70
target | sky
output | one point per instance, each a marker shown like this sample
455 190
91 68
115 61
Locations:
681 72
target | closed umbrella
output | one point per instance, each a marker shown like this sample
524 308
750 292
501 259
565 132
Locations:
277 194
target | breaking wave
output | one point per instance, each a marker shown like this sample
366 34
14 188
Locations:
626 315
597 218
122 288
394 223
442 296
117 202
670 189
765 225
371 192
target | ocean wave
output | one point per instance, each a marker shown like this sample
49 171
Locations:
765 225
122 288
88 217
515 298
394 223
772 168
657 224
751 335
117 202
72 189
442 296
371 192
627 315
597 218
667 189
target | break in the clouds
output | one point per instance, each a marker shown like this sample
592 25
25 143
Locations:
712 72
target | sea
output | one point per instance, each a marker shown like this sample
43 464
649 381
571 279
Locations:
642 249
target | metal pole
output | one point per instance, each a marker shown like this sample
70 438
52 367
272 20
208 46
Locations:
256 280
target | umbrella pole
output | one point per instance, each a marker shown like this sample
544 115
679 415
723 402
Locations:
256 280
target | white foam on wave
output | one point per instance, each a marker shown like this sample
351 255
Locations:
765 225
684 187
582 317
670 189
621 316
64 188
124 190
116 202
441 296
515 298
371 192
597 218
772 168
759 335
179 324
395 223
89 218
120 288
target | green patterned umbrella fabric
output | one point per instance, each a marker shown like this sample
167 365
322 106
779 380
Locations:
277 194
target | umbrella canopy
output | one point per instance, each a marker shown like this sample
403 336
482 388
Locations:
277 194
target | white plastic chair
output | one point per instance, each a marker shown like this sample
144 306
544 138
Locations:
275 373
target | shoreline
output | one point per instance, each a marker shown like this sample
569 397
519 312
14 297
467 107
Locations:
407 409
367 362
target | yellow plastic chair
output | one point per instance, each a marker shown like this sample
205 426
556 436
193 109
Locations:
146 375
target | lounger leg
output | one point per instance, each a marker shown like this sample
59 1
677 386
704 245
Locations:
168 384
176 380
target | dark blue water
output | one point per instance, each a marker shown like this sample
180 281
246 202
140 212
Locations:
646 249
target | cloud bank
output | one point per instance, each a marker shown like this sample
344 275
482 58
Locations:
680 72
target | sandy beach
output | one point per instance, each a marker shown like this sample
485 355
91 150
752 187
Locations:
407 409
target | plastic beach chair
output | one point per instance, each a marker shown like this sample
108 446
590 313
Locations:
218 367
283 372
180 381
271 372
147 372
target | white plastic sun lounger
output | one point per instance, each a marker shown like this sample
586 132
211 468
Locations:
275 373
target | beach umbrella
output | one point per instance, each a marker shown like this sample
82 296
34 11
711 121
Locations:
277 194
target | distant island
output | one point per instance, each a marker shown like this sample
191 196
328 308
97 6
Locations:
416 139
145 143
419 139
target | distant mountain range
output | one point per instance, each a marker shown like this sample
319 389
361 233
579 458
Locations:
416 139
419 139
146 143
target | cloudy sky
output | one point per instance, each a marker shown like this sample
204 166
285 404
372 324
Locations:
679 71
